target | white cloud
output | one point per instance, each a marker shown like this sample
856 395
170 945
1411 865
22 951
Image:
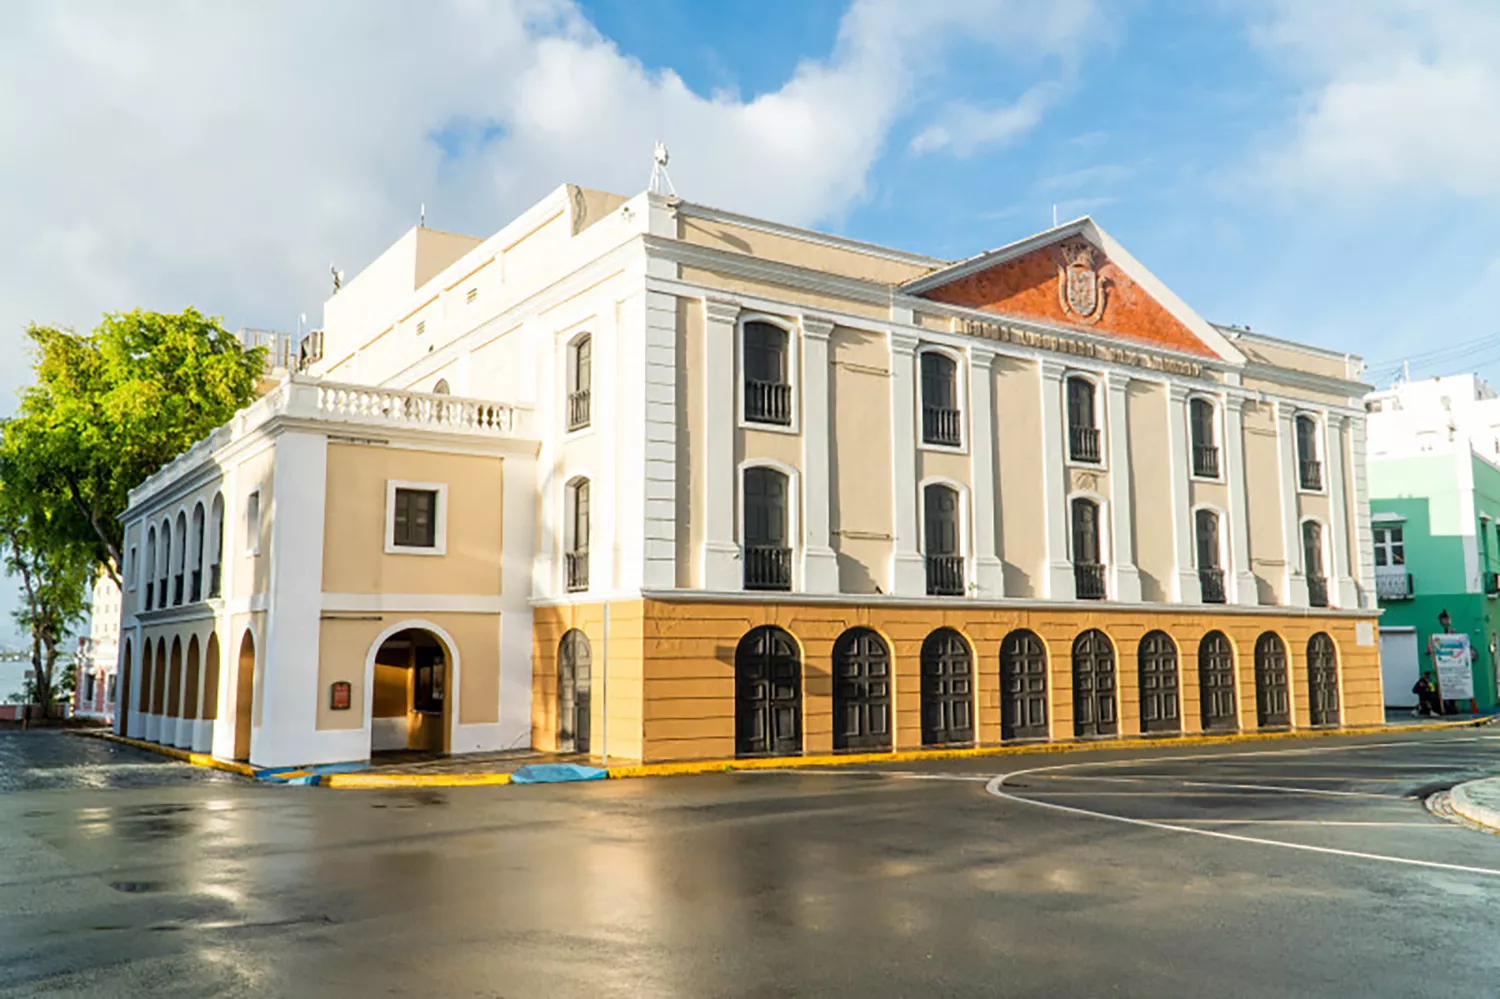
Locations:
1400 93
963 129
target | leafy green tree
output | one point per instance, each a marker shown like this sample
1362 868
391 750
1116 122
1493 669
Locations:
109 408
54 573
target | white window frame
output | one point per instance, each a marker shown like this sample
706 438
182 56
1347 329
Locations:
252 536
1100 410
132 567
1106 534
1324 546
961 387
1224 549
569 342
1218 431
793 510
1320 445
439 518
793 372
965 534
564 525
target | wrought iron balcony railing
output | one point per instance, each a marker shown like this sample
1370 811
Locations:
578 409
576 571
945 575
1393 584
1212 582
941 425
1317 591
1311 473
768 567
1206 461
768 402
1083 444
1088 580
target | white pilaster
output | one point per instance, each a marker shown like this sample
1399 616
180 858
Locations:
720 555
517 520
908 570
1125 584
989 573
1187 588
1058 584
286 684
1295 589
659 354
820 566
1243 589
1342 586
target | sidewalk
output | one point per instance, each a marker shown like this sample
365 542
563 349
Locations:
1478 801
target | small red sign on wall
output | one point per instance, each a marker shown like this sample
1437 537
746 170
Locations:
338 698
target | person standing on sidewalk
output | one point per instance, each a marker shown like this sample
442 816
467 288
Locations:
1427 699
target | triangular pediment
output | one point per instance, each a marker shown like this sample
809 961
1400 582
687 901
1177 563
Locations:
1076 276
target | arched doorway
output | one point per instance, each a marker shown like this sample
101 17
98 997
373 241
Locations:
1158 679
1322 681
947 689
574 665
411 689
122 690
1094 685
767 694
159 686
191 685
143 699
1273 702
1023 686
1216 683
244 696
211 679
174 689
861 691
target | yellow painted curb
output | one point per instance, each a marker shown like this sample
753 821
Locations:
376 780
195 759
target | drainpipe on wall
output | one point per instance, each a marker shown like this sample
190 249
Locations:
604 733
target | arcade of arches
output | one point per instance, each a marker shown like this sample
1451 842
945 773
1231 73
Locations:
710 679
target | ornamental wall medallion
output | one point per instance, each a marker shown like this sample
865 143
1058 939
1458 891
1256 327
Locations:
1080 289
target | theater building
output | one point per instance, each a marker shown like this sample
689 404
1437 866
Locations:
649 480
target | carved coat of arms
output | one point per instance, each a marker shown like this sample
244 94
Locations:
1080 289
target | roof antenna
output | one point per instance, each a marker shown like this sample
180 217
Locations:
1054 215
660 183
422 216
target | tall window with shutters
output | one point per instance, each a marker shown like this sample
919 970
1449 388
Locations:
1202 426
1210 559
1088 565
941 540
576 537
1312 562
1083 421
766 531
766 367
1309 455
580 381
942 420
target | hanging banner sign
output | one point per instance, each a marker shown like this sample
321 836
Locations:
1452 657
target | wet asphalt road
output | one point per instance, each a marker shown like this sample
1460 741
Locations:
1322 875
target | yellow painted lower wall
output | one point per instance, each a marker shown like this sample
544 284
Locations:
671 666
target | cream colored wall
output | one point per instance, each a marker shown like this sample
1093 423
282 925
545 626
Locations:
1151 488
589 206
691 481
801 252
859 456
1018 414
345 646
781 293
251 573
535 252
436 250
354 557
1285 356
1297 392
1214 494
1263 501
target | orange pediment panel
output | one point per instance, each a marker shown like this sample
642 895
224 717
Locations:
1073 283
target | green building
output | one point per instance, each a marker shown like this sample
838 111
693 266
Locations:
1434 475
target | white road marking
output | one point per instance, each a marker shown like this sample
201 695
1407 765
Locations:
995 787
1185 782
1432 826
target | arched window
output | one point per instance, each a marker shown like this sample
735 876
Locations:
941 541
1201 423
1309 456
164 566
767 694
1273 702
942 420
767 531
216 539
580 381
1312 563
149 567
861 691
1156 659
1094 710
441 388
196 588
767 371
1083 421
1088 568
1210 567
180 571
252 523
1023 687
1216 683
1322 681
576 536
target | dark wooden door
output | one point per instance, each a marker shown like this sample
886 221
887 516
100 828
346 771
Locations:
1273 702
1094 685
1216 683
861 691
768 694
1023 687
1158 679
573 693
1322 681
947 689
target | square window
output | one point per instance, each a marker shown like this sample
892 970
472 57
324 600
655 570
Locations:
416 514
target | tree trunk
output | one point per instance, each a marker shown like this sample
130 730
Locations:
114 564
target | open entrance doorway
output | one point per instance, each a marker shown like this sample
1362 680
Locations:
244 696
410 703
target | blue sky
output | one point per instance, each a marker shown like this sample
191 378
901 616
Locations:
1321 170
